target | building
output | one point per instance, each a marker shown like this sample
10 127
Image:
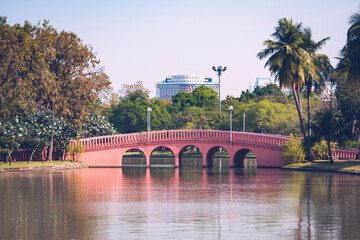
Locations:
184 82
261 82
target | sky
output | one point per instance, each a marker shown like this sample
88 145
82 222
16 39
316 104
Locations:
148 40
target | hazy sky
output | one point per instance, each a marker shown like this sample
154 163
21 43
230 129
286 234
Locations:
149 40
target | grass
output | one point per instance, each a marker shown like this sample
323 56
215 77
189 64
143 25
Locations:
32 164
351 166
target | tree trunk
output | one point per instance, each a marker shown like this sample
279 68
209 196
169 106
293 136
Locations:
50 148
9 155
63 155
330 153
32 153
309 153
299 109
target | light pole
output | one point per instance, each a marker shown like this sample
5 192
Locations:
244 122
231 108
219 69
148 123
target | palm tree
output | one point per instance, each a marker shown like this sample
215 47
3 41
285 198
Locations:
290 61
317 82
327 125
350 54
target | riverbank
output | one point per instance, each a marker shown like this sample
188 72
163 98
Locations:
37 165
340 166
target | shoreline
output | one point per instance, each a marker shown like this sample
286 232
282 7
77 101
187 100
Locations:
47 167
339 166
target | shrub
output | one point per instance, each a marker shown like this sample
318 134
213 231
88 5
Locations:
320 150
293 151
75 150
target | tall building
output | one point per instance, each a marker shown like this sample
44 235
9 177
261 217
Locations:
184 82
261 82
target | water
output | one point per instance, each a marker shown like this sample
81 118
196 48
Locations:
169 203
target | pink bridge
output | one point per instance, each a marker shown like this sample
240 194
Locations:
108 151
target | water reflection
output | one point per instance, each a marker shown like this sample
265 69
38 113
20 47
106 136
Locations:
159 203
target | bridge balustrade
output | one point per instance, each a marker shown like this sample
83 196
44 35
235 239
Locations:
268 140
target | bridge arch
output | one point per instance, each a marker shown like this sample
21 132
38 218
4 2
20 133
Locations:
162 155
211 154
240 155
192 152
133 157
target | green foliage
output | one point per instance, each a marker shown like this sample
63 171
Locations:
204 97
293 151
196 118
320 150
327 125
352 144
264 117
348 101
75 150
270 92
350 54
43 69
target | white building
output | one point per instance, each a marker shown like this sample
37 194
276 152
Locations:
261 82
184 82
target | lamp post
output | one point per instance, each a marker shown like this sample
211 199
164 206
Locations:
244 122
231 108
219 69
148 123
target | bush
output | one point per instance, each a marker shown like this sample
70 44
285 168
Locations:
75 150
293 151
320 150
352 144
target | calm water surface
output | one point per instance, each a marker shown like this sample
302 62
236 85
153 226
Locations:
168 203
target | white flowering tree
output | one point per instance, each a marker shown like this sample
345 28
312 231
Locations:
97 125
12 134
63 135
40 127
44 128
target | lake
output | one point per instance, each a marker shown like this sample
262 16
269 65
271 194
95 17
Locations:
172 203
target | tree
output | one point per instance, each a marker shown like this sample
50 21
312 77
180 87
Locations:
316 79
96 126
65 132
68 80
38 133
182 100
350 54
15 51
11 135
270 92
135 91
204 97
327 125
289 61
348 101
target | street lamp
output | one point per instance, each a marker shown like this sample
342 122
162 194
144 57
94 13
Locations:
219 69
244 122
231 108
148 123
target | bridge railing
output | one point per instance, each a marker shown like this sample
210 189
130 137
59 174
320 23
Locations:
134 139
181 135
